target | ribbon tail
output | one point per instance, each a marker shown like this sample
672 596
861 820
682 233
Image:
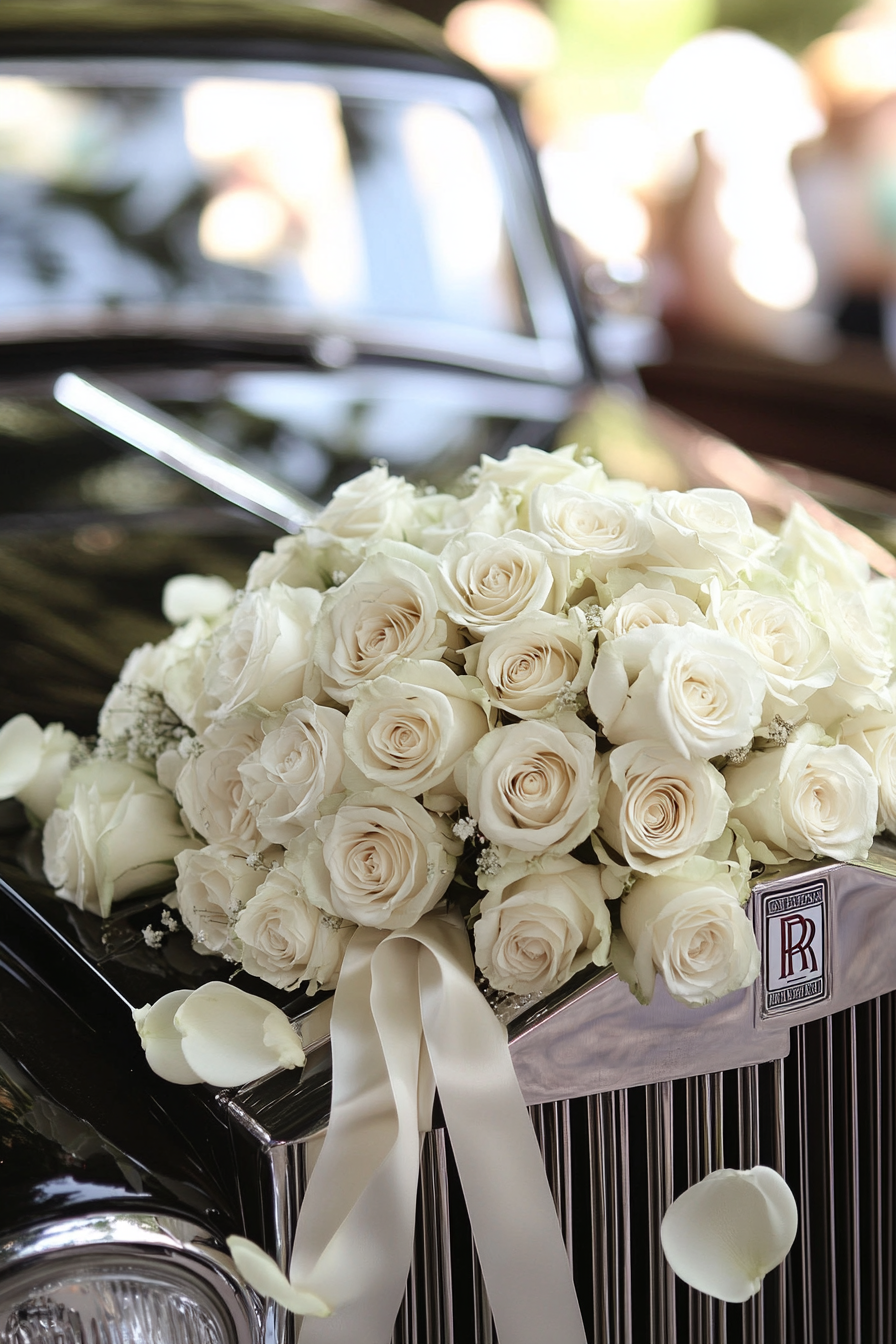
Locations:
512 1214
355 1232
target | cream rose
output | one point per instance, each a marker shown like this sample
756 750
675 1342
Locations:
539 925
410 729
485 581
793 652
660 808
802 800
699 690
213 885
706 530
115 830
533 787
524 665
298 763
34 761
260 656
381 860
525 468
873 736
644 605
689 927
576 522
368 508
386 611
211 791
286 940
806 550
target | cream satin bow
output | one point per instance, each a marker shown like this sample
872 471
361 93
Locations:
407 1017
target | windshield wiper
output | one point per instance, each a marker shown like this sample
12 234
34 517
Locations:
170 441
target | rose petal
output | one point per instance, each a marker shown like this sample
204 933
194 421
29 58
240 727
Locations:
21 744
724 1234
263 1273
231 1037
162 1041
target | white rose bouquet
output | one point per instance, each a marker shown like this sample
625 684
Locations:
540 723
542 698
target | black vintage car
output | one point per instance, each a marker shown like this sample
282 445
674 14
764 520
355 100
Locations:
312 235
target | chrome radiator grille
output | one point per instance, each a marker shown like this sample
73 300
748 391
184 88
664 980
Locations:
672 1094
824 1116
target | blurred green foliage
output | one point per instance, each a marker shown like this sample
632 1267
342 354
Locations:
791 24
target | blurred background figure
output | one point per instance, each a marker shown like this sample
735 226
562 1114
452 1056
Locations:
726 166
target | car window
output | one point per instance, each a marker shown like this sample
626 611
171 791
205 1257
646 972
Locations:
135 195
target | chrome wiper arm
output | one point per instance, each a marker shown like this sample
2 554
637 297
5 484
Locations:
168 440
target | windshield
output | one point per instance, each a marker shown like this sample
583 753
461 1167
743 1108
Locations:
139 196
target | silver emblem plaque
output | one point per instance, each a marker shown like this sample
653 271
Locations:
795 948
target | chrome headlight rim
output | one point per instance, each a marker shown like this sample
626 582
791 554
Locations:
188 1251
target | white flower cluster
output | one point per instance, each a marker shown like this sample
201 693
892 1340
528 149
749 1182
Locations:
578 708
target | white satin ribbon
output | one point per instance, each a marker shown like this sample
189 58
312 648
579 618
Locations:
407 1016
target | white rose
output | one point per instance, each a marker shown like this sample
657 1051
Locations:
286 940
34 761
524 468
297 562
660 808
863 656
261 655
115 830
644 605
699 690
541 923
690 927
485 581
386 611
524 665
410 729
806 550
211 791
792 651
576 522
298 763
213 885
873 736
533 787
802 800
381 860
706 530
189 595
488 509
372 506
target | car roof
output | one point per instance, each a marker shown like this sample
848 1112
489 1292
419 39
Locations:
28 26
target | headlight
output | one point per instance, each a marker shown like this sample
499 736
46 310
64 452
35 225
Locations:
122 1279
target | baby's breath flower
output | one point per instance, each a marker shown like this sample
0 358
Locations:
152 937
464 828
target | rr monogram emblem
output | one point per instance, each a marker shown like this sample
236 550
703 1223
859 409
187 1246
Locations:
794 933
797 936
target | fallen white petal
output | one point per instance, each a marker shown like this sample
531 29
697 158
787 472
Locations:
231 1037
21 748
724 1234
265 1276
162 1041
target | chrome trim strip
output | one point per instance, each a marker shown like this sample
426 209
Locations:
194 455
